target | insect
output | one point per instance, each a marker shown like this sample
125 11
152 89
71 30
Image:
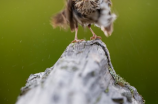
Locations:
86 13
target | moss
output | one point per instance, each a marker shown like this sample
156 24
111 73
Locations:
120 81
131 90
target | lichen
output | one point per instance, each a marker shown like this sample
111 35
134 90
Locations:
93 73
98 99
74 68
64 67
73 44
131 90
120 81
107 90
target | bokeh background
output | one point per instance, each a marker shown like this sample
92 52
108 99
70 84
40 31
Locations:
28 43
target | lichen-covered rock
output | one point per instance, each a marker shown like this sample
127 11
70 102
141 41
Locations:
82 75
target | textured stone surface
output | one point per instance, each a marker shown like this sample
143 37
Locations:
82 75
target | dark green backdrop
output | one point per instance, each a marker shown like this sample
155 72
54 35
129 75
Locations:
28 43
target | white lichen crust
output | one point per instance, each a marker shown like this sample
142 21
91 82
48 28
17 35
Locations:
82 75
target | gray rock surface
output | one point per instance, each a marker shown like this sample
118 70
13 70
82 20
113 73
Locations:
82 75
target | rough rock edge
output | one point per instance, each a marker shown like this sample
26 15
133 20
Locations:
35 80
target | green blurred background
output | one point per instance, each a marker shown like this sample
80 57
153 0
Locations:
28 43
